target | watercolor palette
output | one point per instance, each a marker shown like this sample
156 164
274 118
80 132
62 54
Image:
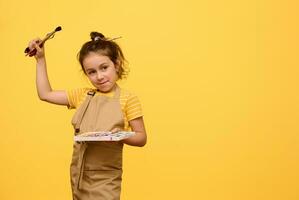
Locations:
103 136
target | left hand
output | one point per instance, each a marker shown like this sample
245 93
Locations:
115 130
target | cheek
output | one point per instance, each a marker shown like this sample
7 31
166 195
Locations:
111 73
115 75
90 78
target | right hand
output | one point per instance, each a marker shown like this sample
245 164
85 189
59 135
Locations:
40 51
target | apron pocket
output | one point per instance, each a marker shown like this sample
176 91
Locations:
103 156
103 184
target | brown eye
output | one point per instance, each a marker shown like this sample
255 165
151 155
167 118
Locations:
104 68
91 72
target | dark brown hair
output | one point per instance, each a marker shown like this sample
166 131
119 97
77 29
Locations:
107 47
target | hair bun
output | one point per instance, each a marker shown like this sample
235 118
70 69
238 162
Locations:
97 36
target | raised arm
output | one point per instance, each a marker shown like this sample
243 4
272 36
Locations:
43 86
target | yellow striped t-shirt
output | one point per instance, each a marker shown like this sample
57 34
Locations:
130 104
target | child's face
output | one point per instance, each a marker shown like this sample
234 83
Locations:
101 71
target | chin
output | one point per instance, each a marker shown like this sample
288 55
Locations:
105 89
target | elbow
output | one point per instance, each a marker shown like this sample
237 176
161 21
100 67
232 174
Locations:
136 143
42 98
142 144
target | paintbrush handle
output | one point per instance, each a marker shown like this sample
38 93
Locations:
48 36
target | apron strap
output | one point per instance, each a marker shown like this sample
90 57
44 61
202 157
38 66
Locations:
81 162
83 108
83 145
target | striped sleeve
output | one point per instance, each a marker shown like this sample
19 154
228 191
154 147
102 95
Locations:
75 97
133 108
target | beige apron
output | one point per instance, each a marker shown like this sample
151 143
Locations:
96 168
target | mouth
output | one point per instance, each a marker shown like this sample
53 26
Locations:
102 83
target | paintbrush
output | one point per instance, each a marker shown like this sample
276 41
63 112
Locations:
48 36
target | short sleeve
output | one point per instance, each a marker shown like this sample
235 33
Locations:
76 96
133 107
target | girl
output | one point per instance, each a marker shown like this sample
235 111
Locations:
96 167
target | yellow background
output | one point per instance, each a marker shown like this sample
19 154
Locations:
218 81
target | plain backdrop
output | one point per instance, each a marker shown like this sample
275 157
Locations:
218 82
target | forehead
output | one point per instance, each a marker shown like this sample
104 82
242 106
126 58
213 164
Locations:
95 59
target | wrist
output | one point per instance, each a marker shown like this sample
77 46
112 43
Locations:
40 60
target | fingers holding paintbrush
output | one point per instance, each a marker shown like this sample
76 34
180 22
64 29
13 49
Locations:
36 48
40 43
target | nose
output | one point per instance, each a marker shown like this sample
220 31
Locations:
100 76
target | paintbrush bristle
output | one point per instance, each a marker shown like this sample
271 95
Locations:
58 28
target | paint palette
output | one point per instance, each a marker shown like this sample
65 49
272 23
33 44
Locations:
103 136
